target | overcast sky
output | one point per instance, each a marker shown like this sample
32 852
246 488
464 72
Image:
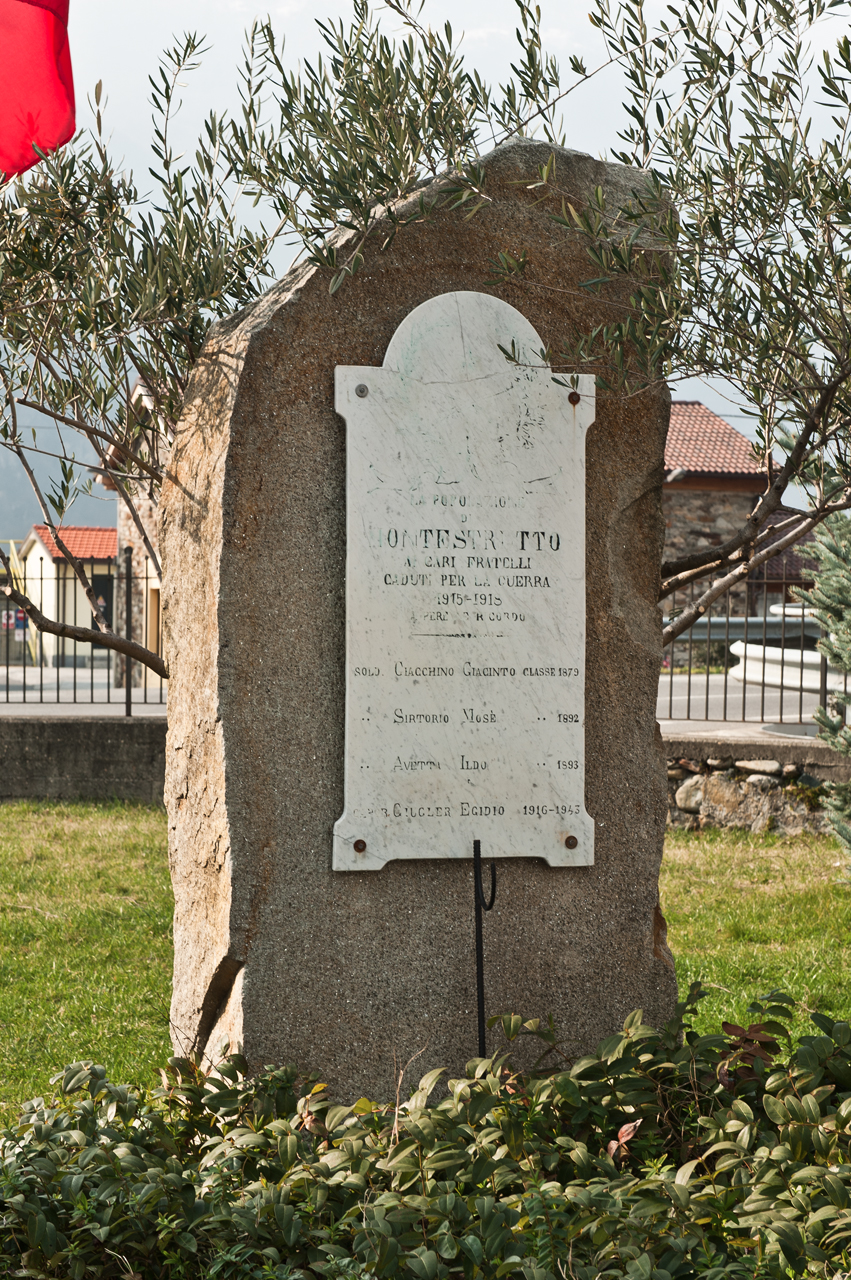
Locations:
120 44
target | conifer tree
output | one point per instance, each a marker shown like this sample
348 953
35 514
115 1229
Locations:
830 600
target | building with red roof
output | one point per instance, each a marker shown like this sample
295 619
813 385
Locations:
712 454
53 585
50 581
713 478
87 542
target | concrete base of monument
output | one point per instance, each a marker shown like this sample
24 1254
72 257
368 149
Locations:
350 973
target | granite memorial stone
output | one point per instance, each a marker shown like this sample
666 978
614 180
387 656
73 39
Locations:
363 496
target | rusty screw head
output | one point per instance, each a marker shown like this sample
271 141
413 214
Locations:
361 390
360 846
570 843
574 397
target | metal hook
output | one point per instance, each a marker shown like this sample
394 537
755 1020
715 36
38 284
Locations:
480 904
477 876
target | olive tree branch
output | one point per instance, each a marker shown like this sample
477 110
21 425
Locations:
154 472
721 586
75 564
772 498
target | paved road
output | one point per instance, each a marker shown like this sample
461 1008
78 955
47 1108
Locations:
705 698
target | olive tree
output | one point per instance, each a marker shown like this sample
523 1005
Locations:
105 289
739 244
736 239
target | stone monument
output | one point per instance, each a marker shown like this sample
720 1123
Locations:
409 601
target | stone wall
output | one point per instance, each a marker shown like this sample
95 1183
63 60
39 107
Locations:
758 785
82 758
699 518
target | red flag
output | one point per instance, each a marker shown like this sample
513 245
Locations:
37 94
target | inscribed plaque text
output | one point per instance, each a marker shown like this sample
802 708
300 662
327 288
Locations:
465 595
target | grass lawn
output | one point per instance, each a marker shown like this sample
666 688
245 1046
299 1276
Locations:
85 942
747 913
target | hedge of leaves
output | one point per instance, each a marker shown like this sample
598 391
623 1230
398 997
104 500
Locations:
663 1155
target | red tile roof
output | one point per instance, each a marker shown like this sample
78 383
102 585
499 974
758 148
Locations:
700 441
87 542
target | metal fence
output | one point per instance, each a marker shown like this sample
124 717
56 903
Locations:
753 657
39 669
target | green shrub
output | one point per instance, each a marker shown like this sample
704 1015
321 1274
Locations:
663 1155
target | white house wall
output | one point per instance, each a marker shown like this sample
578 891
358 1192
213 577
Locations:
55 589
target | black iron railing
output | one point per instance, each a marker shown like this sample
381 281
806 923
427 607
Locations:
752 657
40 669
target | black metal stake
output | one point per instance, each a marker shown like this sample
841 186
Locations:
128 616
481 905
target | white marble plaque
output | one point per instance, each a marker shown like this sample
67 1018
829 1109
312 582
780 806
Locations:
465 607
